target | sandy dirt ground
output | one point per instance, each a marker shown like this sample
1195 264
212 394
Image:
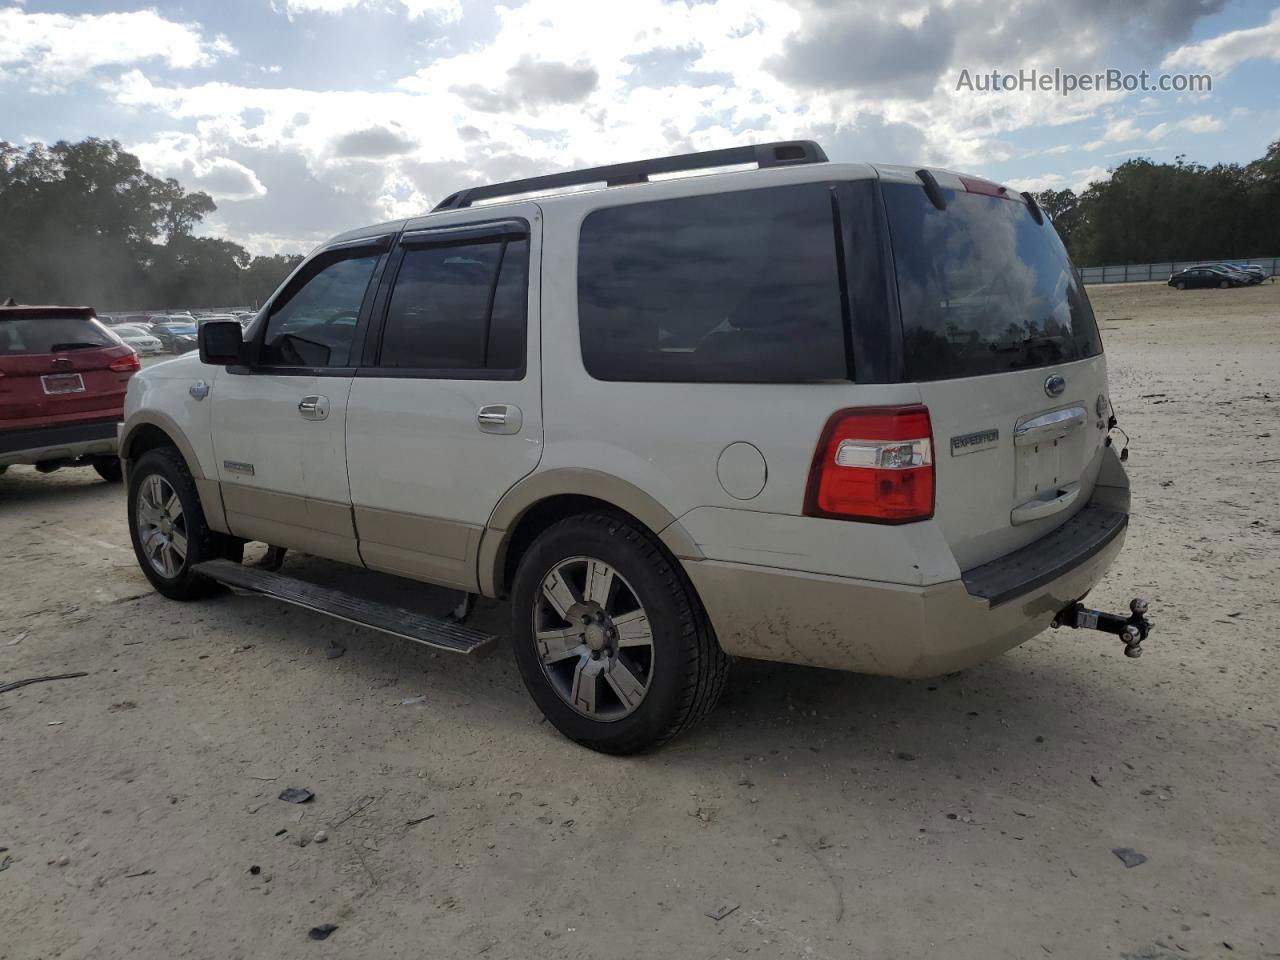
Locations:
836 816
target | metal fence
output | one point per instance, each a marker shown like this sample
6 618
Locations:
1133 272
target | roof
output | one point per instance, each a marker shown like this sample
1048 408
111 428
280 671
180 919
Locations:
22 311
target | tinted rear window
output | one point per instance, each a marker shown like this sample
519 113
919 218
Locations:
51 335
729 287
983 287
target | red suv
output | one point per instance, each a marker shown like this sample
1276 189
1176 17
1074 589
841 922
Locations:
62 382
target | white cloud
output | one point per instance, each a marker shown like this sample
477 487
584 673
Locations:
188 159
1082 178
1203 123
444 10
550 84
52 50
1225 52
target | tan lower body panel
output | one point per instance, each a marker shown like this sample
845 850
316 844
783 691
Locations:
210 494
317 527
870 627
424 548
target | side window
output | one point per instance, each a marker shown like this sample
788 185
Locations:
736 287
315 326
459 307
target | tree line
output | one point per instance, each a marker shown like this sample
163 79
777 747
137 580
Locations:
83 223
1151 212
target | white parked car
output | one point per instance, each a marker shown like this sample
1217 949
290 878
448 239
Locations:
834 414
141 340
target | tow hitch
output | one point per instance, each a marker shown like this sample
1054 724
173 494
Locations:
1131 630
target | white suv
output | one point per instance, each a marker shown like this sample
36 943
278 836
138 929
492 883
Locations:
826 413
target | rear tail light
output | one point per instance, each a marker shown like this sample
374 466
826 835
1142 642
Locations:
126 364
874 464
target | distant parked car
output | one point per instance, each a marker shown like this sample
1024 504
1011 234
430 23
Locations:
138 337
1209 276
177 336
62 384
1252 270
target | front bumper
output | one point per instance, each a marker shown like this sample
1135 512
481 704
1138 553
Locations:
64 442
908 631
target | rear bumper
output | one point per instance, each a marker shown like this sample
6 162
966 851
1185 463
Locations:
908 631
63 442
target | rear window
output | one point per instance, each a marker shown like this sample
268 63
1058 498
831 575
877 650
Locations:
728 287
983 287
52 335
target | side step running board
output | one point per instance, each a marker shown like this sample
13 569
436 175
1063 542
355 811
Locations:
430 631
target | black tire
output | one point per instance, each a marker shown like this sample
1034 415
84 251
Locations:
688 668
109 469
202 543
1181 285
1223 284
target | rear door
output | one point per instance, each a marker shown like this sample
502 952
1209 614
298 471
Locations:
56 368
1000 338
445 415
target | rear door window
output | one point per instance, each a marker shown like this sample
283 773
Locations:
983 287
729 287
40 335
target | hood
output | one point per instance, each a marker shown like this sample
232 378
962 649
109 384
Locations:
184 367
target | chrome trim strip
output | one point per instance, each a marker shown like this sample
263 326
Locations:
1055 421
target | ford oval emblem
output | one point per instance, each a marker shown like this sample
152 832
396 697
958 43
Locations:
1055 384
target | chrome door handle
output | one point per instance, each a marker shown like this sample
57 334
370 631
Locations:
314 408
499 418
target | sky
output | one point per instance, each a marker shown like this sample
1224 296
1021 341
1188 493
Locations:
304 118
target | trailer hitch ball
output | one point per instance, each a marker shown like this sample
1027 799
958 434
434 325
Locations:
1132 630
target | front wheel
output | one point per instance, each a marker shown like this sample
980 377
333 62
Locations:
1181 285
1223 284
611 641
168 529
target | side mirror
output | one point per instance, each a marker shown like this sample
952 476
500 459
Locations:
221 342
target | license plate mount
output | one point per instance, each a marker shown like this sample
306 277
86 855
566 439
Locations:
59 383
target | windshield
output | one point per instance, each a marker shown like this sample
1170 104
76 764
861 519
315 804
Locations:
179 327
983 287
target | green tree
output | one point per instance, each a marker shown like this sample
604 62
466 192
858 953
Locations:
84 223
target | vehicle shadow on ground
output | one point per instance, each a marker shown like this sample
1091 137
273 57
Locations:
20 486
986 717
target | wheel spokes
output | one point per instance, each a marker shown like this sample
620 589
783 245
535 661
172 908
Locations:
625 683
599 583
556 645
560 593
586 684
633 629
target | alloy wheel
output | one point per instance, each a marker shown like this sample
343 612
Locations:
161 525
593 638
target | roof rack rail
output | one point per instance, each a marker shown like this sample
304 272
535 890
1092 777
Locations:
784 153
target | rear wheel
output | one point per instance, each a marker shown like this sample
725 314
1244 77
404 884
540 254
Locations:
109 469
611 640
1223 284
168 528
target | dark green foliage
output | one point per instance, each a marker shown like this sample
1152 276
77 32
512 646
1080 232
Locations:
1152 212
83 223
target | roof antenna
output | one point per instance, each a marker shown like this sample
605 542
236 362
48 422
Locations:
931 188
9 303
